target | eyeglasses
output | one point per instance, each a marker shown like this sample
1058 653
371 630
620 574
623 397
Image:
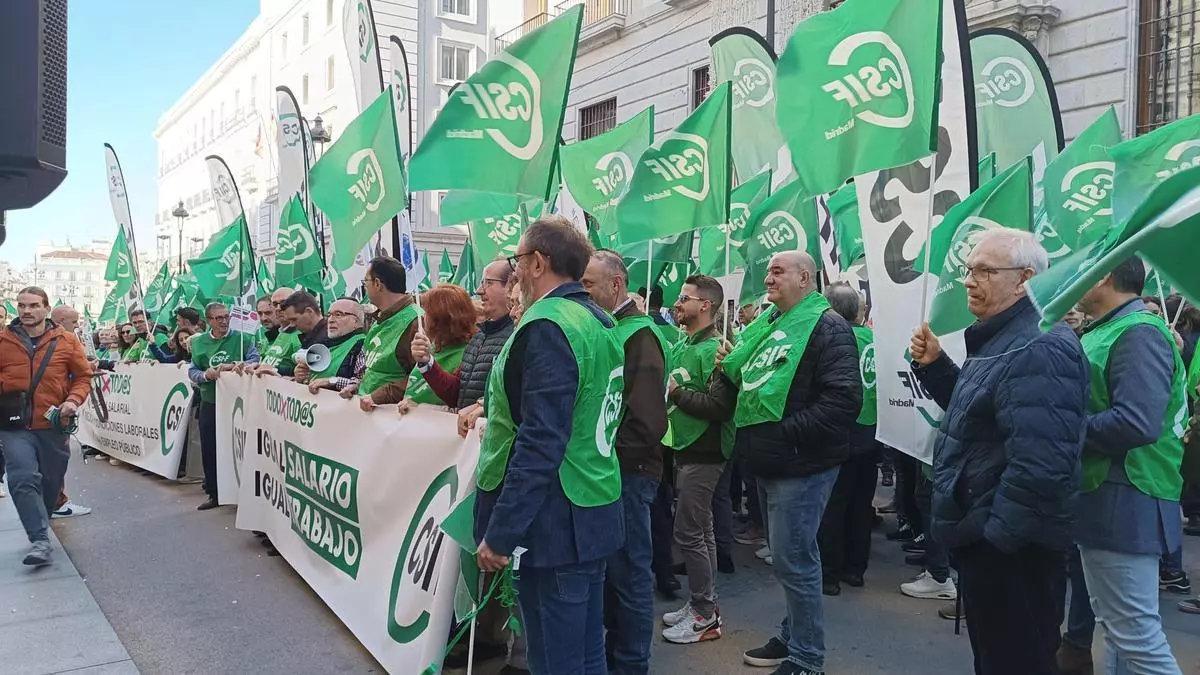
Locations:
982 273
687 298
514 259
339 314
219 317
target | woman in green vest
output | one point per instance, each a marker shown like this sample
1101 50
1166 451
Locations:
449 325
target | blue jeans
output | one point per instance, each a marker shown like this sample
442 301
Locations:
36 463
1081 623
794 507
630 580
1124 593
563 609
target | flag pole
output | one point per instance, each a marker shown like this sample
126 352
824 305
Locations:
928 241
725 329
1162 297
649 272
1178 312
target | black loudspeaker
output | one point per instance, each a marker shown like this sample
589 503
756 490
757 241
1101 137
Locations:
33 100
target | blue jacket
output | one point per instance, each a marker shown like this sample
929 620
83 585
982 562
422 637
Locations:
530 509
1006 458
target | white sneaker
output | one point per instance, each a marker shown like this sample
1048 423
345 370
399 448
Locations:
114 462
770 560
926 587
763 553
694 629
672 618
70 510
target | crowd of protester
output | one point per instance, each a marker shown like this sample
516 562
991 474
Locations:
1059 463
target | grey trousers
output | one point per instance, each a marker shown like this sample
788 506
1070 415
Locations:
36 463
695 484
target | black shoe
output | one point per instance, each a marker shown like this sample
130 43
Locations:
855 580
789 668
904 533
1192 528
915 559
831 587
915 546
667 586
210 504
1174 582
773 653
511 670
725 563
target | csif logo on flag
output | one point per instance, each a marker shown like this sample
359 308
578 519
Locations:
366 40
610 411
296 243
504 231
956 258
877 85
289 126
230 259
752 84
1086 188
777 231
739 215
1007 83
224 188
368 186
123 269
400 92
615 169
1181 156
682 163
511 107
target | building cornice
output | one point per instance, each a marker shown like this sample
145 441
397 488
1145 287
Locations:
1030 18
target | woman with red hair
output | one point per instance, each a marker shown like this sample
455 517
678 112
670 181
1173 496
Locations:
449 324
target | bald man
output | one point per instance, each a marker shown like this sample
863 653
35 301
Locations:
346 358
796 369
66 317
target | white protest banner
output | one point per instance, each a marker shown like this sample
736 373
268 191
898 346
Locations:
232 391
894 210
150 434
354 501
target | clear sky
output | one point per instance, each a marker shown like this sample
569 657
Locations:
127 62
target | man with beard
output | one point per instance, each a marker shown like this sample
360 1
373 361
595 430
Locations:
389 342
345 343
277 360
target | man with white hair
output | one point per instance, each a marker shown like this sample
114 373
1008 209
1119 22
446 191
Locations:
1006 457
346 359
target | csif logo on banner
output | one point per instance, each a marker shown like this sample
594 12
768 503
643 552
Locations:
173 417
417 571
224 188
510 107
399 91
289 126
368 186
753 84
1086 188
682 164
1007 83
1181 156
366 37
615 169
116 185
237 424
877 86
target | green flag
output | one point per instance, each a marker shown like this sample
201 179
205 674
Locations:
499 130
1144 162
266 280
464 274
742 57
445 268
497 236
328 284
463 206
647 261
159 289
359 182
226 267
10 308
296 254
1078 184
847 227
858 89
1155 285
597 170
682 181
426 282
987 168
1016 108
785 221
115 309
1163 229
1004 201
120 265
742 201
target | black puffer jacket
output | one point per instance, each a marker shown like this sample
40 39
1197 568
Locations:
477 359
821 408
1006 457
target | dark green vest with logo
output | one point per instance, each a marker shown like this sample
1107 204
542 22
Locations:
337 356
868 415
382 365
209 352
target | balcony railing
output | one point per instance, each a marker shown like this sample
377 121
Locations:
611 12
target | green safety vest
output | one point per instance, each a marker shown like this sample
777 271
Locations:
1153 468
629 325
209 352
137 352
667 333
868 415
765 360
692 364
281 354
1193 380
382 365
103 354
337 356
419 390
589 473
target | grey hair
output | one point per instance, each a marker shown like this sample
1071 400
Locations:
844 299
613 262
1024 250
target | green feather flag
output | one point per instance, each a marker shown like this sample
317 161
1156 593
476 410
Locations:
120 265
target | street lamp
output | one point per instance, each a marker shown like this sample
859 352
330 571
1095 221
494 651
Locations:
319 134
164 246
180 213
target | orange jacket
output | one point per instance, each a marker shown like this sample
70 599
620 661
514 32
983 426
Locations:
68 376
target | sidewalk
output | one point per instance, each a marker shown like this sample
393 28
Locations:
49 621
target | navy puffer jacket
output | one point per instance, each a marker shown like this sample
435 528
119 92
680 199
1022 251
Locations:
1006 458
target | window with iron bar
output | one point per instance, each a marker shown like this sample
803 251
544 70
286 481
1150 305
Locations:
1168 79
701 85
597 118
